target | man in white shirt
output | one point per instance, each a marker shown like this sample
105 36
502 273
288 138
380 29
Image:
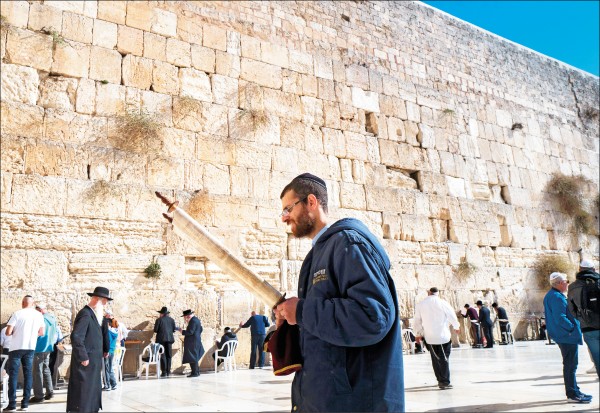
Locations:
432 316
25 326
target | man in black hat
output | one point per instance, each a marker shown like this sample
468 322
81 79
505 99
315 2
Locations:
192 343
85 379
228 335
164 327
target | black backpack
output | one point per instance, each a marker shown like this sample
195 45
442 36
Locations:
589 309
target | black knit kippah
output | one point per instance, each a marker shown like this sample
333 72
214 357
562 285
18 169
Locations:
312 178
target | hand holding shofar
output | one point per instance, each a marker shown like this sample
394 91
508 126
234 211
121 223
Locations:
190 230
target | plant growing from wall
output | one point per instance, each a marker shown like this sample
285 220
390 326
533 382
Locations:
153 271
258 117
101 190
568 194
57 39
137 132
547 264
465 270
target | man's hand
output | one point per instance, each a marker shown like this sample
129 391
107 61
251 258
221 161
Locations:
241 324
85 363
105 355
287 311
418 339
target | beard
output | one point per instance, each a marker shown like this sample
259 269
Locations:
99 311
305 224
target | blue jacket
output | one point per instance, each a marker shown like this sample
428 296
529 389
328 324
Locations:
257 324
560 323
350 334
46 342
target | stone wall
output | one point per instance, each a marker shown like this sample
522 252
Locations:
440 136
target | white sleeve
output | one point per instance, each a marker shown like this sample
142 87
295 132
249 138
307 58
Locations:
418 326
451 316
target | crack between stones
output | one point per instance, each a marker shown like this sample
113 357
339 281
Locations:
577 104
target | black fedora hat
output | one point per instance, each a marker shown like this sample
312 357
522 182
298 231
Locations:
163 311
187 312
101 292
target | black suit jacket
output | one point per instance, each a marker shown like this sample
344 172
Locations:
484 316
502 313
164 329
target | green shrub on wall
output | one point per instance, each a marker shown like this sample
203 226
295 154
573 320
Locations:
570 196
153 271
549 263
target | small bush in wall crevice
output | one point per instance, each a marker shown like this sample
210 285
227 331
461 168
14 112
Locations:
153 271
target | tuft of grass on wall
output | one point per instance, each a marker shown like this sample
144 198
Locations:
465 270
547 264
567 192
101 189
153 271
138 132
257 117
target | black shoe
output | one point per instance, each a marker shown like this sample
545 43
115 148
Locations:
9 409
49 396
106 388
445 386
193 375
36 400
114 387
164 375
580 398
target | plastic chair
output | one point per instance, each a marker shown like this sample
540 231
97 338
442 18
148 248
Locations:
507 337
409 344
119 357
154 351
229 358
4 375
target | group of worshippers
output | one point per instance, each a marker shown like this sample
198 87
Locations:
30 339
482 326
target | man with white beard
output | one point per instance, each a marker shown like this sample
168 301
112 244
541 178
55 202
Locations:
85 380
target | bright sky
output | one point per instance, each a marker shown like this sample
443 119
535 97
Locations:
565 30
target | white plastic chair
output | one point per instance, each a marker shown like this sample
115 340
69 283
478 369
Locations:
118 362
507 336
229 358
4 375
154 351
409 345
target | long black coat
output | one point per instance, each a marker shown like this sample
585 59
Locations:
192 343
484 316
85 383
164 329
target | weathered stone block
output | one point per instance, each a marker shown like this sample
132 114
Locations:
164 22
58 93
44 16
110 99
225 90
165 78
130 40
179 53
19 84
16 13
21 120
195 84
368 101
214 38
71 59
105 34
140 15
203 58
27 48
34 194
137 72
27 269
105 65
155 47
112 11
262 73
357 76
298 62
274 54
77 27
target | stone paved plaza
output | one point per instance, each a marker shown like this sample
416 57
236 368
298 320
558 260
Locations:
523 377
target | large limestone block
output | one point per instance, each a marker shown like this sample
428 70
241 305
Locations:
44 16
225 90
166 172
112 11
402 155
434 252
416 228
165 78
105 65
71 59
19 84
274 54
203 58
312 110
21 120
16 13
504 118
137 72
298 61
282 104
179 53
85 97
77 27
110 99
356 146
164 22
36 194
522 237
130 40
73 127
434 276
6 189
214 37
95 199
195 84
105 34
227 64
517 196
456 187
139 15
253 155
357 76
28 269
352 196
27 48
55 160
261 73
58 93
215 119
362 99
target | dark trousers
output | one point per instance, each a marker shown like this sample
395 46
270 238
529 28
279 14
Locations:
569 355
440 357
17 358
475 333
165 359
488 332
258 342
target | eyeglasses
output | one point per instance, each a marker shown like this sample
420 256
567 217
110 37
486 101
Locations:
287 210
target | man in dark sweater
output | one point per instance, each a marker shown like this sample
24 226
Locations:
583 303
164 327
502 318
471 313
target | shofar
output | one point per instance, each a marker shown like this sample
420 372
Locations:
189 229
